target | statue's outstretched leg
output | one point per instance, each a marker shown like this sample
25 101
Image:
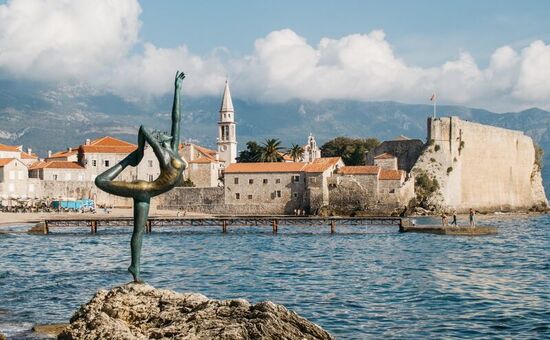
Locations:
141 211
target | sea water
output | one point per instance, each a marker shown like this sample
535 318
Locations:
360 283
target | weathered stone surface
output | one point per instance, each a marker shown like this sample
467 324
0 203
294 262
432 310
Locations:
139 311
49 330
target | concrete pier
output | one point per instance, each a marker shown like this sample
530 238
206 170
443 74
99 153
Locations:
449 230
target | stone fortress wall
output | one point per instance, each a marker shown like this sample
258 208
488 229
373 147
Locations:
482 167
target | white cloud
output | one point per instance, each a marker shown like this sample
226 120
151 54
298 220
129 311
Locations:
58 40
96 42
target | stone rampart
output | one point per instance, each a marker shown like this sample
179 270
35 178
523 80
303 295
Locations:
482 167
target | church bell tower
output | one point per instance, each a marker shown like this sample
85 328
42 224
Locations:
227 134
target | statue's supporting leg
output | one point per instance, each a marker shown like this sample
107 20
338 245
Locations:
141 212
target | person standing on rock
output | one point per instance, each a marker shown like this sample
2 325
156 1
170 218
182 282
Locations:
454 218
472 218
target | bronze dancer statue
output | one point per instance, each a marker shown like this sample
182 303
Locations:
171 169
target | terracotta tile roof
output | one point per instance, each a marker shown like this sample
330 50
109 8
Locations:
205 152
274 167
56 165
107 149
359 170
385 155
386 174
108 144
110 141
4 147
63 154
322 164
5 161
286 157
202 160
26 155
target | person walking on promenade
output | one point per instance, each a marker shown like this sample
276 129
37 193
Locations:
444 219
472 218
454 218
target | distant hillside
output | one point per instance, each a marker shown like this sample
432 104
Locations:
46 119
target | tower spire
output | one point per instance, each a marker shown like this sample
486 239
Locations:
227 103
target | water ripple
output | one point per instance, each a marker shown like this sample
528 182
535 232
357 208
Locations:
360 283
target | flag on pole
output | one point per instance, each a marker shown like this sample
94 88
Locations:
432 98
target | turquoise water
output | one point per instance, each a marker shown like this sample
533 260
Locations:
359 283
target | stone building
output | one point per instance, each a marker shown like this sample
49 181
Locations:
203 165
372 188
406 151
318 173
386 161
57 171
14 180
279 187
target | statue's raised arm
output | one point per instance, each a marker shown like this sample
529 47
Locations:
176 115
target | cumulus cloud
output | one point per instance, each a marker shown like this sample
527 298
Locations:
98 42
56 40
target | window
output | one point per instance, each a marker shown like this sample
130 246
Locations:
265 180
94 162
250 181
150 178
249 197
150 163
106 163
55 177
236 180
296 178
295 195
237 196
278 180
278 193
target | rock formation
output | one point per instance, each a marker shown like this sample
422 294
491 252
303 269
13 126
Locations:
139 311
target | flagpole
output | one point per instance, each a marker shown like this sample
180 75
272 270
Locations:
435 103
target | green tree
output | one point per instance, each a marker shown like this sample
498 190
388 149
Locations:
295 152
352 150
251 154
271 151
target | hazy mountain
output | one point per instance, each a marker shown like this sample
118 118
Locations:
46 119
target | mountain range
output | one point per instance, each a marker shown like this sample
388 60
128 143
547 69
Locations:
45 118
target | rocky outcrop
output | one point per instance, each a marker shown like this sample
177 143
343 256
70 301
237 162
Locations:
139 311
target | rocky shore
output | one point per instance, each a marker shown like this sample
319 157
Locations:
139 311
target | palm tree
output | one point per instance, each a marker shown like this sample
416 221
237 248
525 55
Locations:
271 151
295 152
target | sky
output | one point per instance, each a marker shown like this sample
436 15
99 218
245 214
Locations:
489 54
